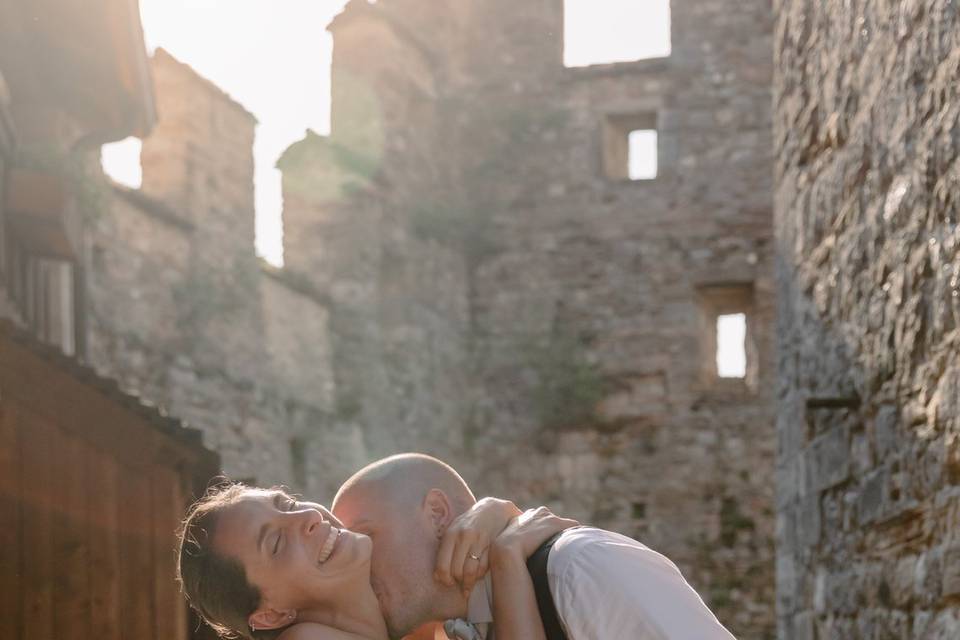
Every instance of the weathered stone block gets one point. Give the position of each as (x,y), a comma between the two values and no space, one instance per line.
(828,458)
(945,625)
(803,626)
(885,430)
(808,523)
(951,571)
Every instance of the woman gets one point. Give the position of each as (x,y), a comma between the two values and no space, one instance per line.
(243,548)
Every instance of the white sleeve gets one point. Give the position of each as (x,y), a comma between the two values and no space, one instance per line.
(607,587)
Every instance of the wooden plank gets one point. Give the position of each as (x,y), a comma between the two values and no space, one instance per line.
(164,490)
(103,533)
(10,522)
(136,555)
(71,595)
(182,610)
(37,447)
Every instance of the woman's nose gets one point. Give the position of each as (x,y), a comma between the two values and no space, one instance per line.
(311,521)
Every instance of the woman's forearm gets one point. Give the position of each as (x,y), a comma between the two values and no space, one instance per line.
(515,612)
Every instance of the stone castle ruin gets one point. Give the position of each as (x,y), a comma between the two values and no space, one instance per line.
(472,271)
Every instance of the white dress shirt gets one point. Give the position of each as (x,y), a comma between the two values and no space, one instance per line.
(607,586)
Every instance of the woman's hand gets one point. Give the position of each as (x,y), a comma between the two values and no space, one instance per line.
(463,555)
(526,533)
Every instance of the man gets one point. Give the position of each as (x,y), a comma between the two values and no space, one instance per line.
(603,585)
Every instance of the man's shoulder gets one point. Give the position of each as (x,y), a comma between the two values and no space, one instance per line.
(579,539)
(597,550)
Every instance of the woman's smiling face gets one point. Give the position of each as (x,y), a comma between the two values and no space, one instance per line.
(295,552)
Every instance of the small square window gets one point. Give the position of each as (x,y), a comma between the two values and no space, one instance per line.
(630,146)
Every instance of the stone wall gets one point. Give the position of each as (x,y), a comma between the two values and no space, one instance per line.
(180,310)
(499,301)
(867,130)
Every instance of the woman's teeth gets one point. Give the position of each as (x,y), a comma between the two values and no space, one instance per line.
(328,544)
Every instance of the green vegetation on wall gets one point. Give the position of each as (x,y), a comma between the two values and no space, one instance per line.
(568,386)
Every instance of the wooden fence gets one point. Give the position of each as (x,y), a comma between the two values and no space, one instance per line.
(92,486)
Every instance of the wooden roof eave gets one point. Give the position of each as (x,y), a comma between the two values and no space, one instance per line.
(136,113)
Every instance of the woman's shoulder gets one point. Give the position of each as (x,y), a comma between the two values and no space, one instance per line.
(316,631)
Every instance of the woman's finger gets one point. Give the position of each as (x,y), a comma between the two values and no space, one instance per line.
(471,569)
(484,564)
(475,570)
(445,557)
(464,542)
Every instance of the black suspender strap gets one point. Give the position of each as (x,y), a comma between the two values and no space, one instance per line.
(537,566)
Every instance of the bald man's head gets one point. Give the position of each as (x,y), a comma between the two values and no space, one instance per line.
(404,479)
(405,503)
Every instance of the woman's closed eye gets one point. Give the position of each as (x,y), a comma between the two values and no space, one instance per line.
(276,544)
(287,504)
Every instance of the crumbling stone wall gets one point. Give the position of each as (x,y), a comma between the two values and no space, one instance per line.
(180,310)
(499,301)
(868,502)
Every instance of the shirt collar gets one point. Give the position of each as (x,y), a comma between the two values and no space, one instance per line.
(479,611)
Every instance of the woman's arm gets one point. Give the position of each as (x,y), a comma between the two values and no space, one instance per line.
(515,612)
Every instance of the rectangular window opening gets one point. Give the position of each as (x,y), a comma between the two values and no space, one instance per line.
(44,289)
(608,31)
(630,149)
(732,345)
(642,154)
(729,360)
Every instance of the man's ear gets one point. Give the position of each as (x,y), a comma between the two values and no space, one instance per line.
(267,618)
(436,506)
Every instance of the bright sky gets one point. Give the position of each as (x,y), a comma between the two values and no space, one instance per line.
(601,31)
(273,56)
(731,345)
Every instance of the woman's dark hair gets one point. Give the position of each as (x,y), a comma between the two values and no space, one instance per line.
(216,586)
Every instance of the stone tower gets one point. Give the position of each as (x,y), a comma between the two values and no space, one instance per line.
(504,296)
